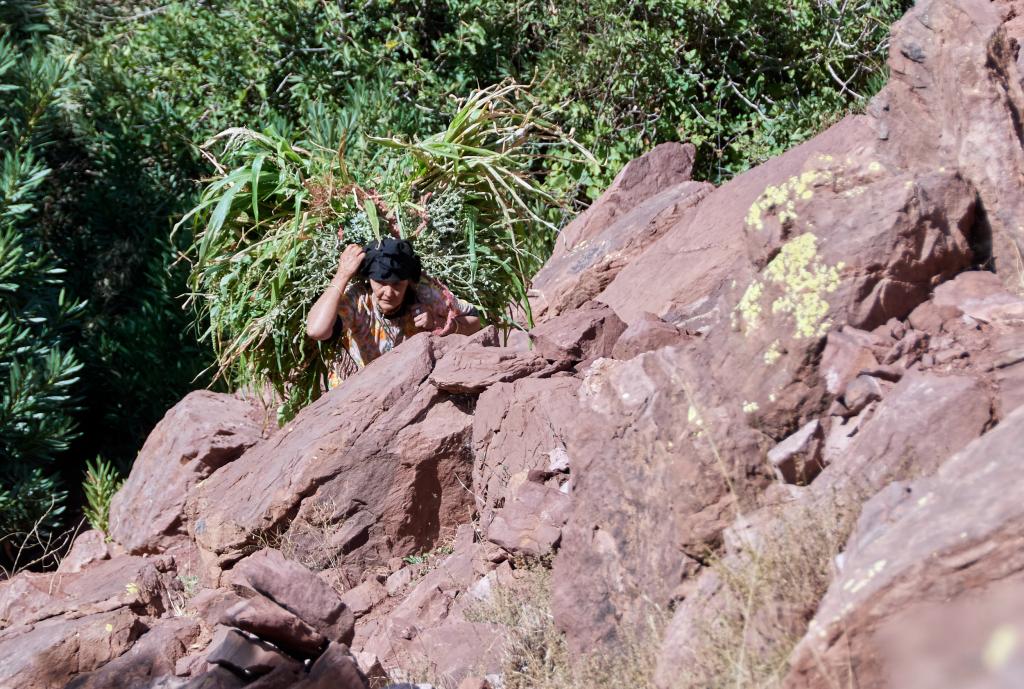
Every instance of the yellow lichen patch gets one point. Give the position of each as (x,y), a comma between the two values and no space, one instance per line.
(1000,647)
(750,407)
(805,281)
(780,200)
(749,308)
(773,353)
(693,416)
(131,588)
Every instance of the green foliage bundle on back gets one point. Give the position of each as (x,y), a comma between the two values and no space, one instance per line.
(38,370)
(269,228)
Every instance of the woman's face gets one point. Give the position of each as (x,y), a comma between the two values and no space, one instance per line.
(389,295)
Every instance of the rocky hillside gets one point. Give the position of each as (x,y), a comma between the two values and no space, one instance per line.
(767,433)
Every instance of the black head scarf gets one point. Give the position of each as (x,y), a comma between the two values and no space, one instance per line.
(390,260)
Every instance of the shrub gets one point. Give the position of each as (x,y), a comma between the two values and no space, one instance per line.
(38,370)
(102,480)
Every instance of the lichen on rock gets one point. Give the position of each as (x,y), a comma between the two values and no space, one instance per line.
(804,280)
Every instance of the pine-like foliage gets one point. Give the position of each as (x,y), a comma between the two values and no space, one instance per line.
(37,370)
(102,480)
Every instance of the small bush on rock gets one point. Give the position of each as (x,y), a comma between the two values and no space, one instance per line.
(102,480)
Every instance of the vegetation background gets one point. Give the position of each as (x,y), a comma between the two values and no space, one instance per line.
(103,104)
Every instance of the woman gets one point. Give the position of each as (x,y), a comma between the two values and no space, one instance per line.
(372,318)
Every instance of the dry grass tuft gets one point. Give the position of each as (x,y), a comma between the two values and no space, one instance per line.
(309,539)
(535,655)
(769,589)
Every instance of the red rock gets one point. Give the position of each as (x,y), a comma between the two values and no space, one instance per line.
(335,669)
(281,677)
(90,546)
(48,654)
(474,683)
(656,446)
(412,634)
(979,295)
(106,585)
(587,332)
(952,102)
(645,198)
(973,642)
(217,678)
(297,590)
(949,538)
(861,392)
(271,622)
(200,434)
(248,655)
(453,651)
(798,458)
(377,468)
(647,333)
(531,523)
(364,597)
(152,656)
(847,354)
(703,250)
(474,368)
(922,421)
(515,427)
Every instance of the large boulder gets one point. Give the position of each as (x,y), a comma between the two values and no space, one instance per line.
(701,250)
(48,654)
(646,198)
(123,581)
(297,590)
(518,428)
(661,462)
(152,656)
(199,435)
(948,538)
(428,628)
(374,469)
(954,101)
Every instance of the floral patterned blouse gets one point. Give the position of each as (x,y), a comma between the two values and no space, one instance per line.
(365,333)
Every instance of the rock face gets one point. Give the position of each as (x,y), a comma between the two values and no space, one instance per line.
(647,196)
(199,435)
(719,382)
(943,538)
(381,465)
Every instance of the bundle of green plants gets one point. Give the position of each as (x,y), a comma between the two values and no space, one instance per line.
(269,227)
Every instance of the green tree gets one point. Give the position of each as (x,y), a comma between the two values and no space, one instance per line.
(38,371)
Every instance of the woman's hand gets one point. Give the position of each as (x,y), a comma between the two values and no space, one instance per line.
(424,318)
(350,261)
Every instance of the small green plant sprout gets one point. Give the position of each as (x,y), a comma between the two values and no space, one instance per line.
(102,480)
(414,559)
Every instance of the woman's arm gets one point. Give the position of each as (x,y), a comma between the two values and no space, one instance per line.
(466,325)
(321,318)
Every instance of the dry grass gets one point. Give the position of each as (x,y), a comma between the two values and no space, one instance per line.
(535,655)
(769,589)
(309,539)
